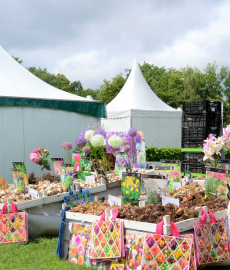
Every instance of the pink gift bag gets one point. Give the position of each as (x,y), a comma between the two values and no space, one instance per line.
(211,240)
(13,226)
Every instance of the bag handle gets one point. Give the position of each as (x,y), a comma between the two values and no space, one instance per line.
(115,214)
(14,208)
(203,218)
(212,217)
(174,229)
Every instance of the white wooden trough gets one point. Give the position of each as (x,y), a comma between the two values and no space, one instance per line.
(184,227)
(44,213)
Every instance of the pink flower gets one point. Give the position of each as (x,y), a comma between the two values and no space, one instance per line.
(45,150)
(35,158)
(80,249)
(77,240)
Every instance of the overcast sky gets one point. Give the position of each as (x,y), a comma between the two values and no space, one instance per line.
(92,40)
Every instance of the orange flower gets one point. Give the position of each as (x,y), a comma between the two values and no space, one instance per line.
(208,247)
(156,236)
(161,243)
(148,256)
(1,226)
(74,251)
(84,242)
(21,229)
(80,260)
(4,230)
(144,265)
(4,240)
(203,239)
(103,242)
(103,254)
(183,263)
(160,258)
(155,250)
(95,254)
(100,236)
(201,247)
(210,259)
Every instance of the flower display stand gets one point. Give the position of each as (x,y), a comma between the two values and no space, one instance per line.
(184,227)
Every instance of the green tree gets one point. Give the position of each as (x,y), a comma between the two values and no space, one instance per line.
(85,93)
(108,90)
(17,59)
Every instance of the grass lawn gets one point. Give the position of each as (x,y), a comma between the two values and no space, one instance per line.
(40,254)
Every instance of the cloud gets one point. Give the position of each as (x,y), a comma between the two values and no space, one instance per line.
(95,40)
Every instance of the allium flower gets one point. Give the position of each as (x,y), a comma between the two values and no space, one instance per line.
(86,150)
(67,145)
(101,132)
(35,158)
(124,142)
(126,148)
(132,132)
(115,141)
(97,140)
(138,138)
(80,142)
(89,134)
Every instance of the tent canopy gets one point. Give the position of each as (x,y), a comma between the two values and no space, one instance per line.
(136,98)
(19,87)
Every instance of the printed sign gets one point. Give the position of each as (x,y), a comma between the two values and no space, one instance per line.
(166,200)
(33,193)
(90,178)
(114,200)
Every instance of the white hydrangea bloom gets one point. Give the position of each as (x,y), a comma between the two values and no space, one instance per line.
(89,134)
(115,141)
(141,157)
(97,140)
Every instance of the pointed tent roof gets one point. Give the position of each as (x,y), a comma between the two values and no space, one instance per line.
(136,96)
(19,87)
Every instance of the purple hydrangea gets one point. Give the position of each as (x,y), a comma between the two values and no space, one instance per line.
(132,132)
(126,148)
(101,132)
(80,142)
(86,150)
(138,138)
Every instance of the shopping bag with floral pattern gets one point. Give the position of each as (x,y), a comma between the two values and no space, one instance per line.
(13,226)
(211,240)
(107,238)
(166,252)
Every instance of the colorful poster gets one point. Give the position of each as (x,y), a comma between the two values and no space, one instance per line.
(85,168)
(18,179)
(223,164)
(121,162)
(21,165)
(141,151)
(170,174)
(76,158)
(67,175)
(3,183)
(156,187)
(131,188)
(57,165)
(216,183)
(78,198)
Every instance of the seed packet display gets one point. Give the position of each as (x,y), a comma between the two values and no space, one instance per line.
(85,168)
(18,179)
(170,174)
(57,164)
(121,162)
(67,175)
(21,165)
(223,164)
(131,187)
(216,182)
(156,187)
(78,198)
(76,158)
(3,183)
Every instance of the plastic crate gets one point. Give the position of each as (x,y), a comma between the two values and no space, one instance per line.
(192,158)
(198,133)
(192,144)
(209,120)
(202,106)
(194,168)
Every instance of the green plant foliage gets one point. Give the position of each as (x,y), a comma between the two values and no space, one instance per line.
(157,153)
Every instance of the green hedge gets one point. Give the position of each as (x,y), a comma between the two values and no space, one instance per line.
(157,153)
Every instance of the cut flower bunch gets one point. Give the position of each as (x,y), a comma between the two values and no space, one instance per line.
(40,157)
(213,146)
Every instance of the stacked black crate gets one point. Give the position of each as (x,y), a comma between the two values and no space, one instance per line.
(199,120)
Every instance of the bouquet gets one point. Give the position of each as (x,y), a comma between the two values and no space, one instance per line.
(40,157)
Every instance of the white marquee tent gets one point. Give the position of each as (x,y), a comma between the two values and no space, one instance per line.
(137,106)
(35,114)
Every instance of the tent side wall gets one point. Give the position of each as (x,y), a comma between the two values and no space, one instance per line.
(116,124)
(24,129)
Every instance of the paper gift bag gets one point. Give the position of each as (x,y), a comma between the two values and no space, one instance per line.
(211,240)
(166,252)
(107,238)
(13,226)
